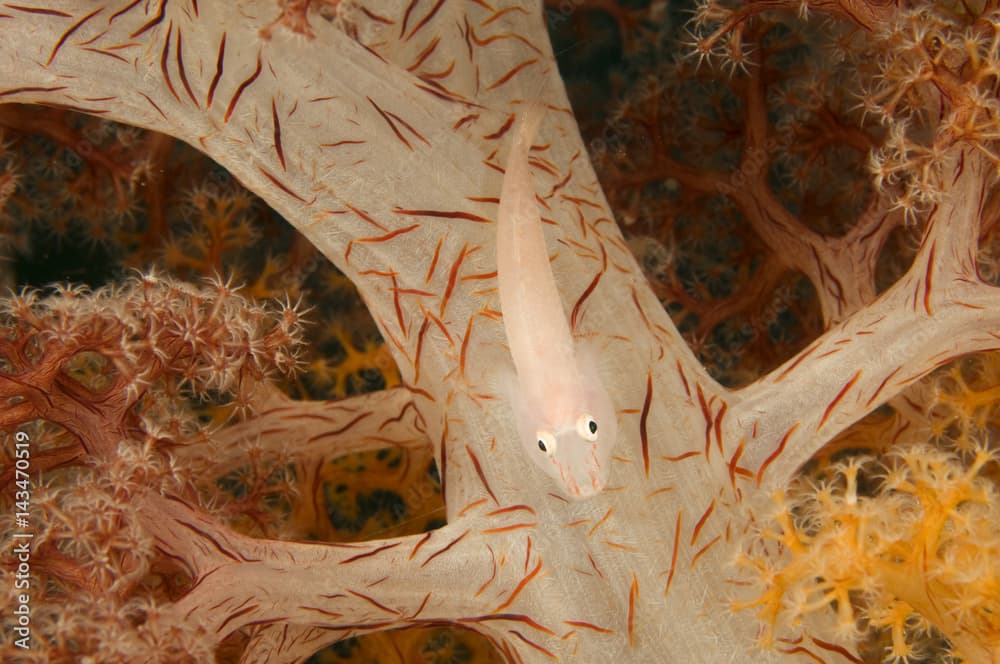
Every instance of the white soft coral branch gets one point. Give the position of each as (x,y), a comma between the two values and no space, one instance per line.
(936,312)
(350,588)
(322,430)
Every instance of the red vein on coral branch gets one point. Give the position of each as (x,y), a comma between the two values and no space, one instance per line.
(701,522)
(504,128)
(124,10)
(425,20)
(590,626)
(420,346)
(445,214)
(412,291)
(680,457)
(511,74)
(928,279)
(718,425)
(218,72)
(684,381)
(377,239)
(498,14)
(493,573)
(324,612)
(29,89)
(445,549)
(153,22)
(420,608)
(597,525)
(337,432)
(620,546)
(369,554)
(548,167)
(438,90)
(633,595)
(544,651)
(443,453)
(482,476)
(235,615)
(512,508)
(181,71)
(38,10)
(367,217)
(802,650)
(480,277)
(154,105)
(590,289)
(276,133)
(507,529)
(840,395)
(466,342)
(164,55)
(703,550)
(776,453)
(734,460)
(406,17)
(840,650)
(241,87)
(497,37)
(520,587)
(397,305)
(424,54)
(593,564)
(473,505)
(518,617)
(285,188)
(706,413)
(337,144)
(66,35)
(881,386)
(434,261)
(224,551)
(453,277)
(391,119)
(441,326)
(419,544)
(803,355)
(643,432)
(373,602)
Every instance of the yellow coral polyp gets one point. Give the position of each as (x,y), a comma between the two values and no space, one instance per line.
(921,555)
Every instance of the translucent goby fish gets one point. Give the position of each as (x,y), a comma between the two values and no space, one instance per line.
(565,418)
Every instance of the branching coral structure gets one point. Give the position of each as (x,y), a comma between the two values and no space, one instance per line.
(381,130)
